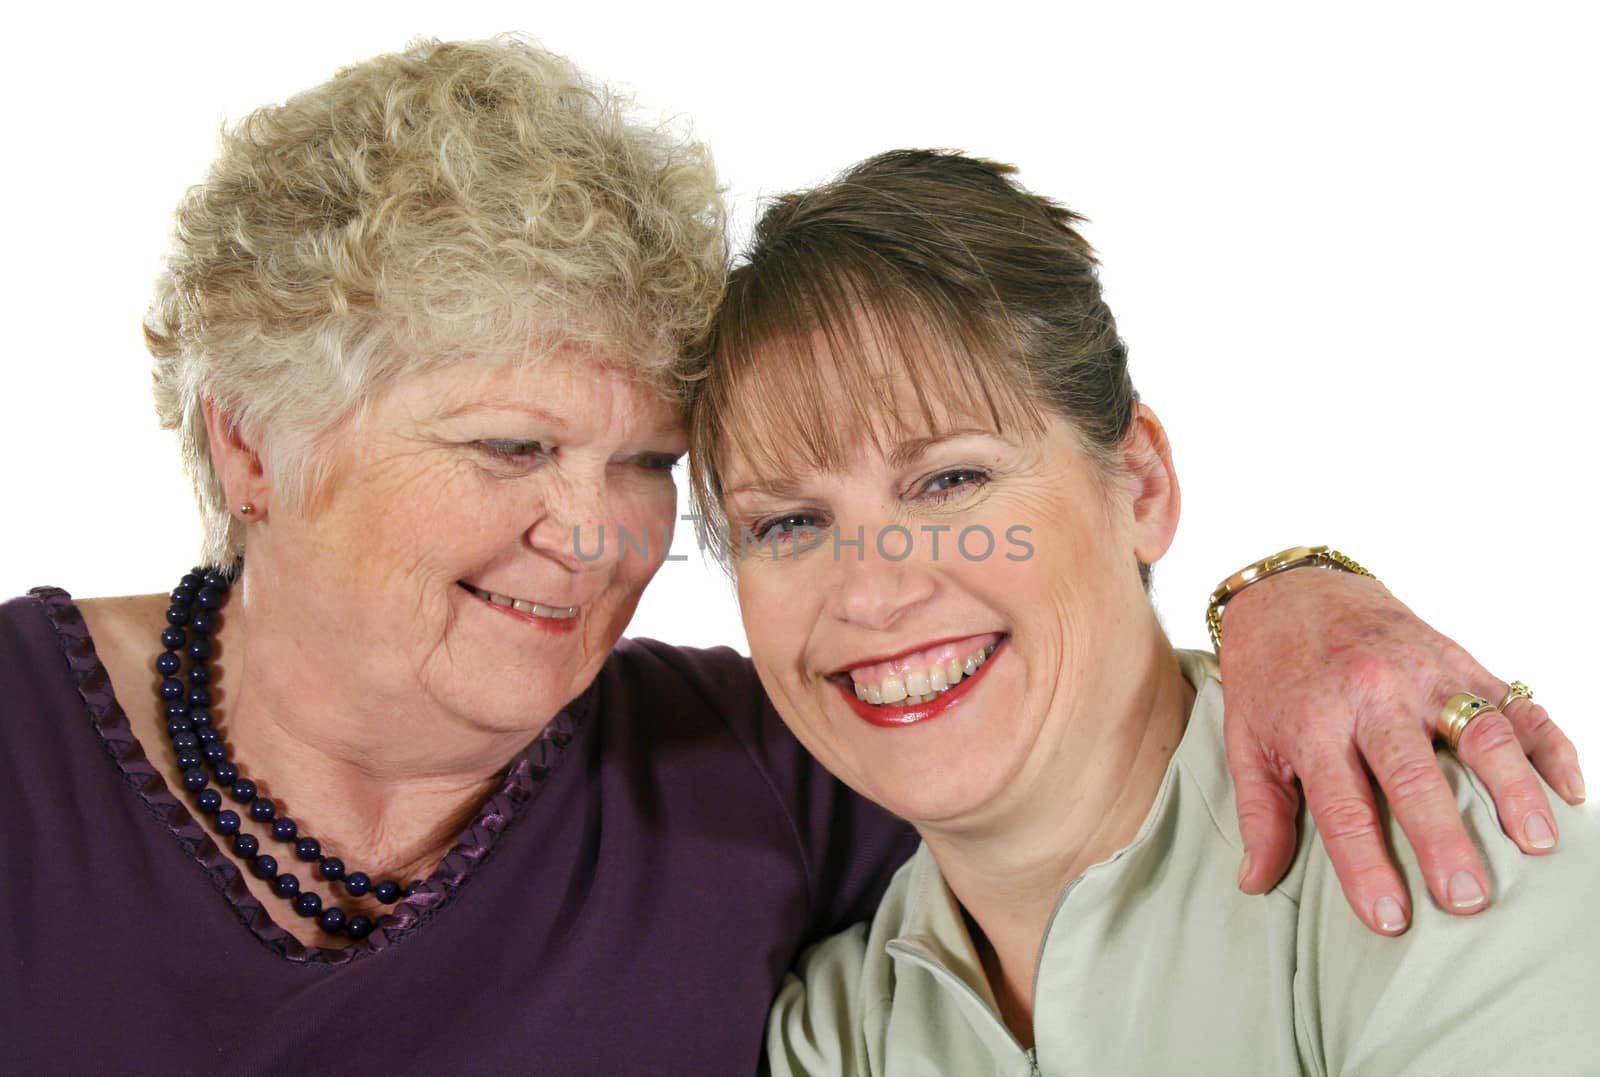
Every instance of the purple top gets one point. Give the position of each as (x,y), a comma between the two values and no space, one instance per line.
(627,902)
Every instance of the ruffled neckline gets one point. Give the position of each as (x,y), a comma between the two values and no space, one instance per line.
(525,779)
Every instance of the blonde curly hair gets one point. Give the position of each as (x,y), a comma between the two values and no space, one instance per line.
(454,202)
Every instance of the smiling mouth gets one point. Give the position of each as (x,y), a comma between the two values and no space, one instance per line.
(919,676)
(522,605)
(917,685)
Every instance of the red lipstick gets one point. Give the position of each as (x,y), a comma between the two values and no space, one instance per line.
(891,717)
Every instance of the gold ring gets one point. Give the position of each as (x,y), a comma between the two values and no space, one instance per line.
(1458,713)
(1518,690)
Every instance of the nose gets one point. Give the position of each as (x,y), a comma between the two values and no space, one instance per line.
(877,589)
(576,525)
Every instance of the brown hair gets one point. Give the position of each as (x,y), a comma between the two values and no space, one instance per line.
(918,260)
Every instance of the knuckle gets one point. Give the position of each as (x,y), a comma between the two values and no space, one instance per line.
(1256,817)
(1489,733)
(1346,818)
(1366,672)
(1268,808)
(1412,779)
(1537,725)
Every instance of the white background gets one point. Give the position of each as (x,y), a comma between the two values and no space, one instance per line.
(1354,250)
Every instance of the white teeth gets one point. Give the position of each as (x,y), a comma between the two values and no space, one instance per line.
(522,605)
(922,686)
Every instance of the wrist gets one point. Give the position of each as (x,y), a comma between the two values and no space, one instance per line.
(1273,565)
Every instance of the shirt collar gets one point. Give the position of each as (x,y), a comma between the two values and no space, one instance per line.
(933,932)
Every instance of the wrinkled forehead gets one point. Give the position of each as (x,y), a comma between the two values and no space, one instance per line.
(780,405)
(580,380)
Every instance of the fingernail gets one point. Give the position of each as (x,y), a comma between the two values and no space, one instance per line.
(1244,870)
(1391,917)
(1537,828)
(1575,789)
(1465,893)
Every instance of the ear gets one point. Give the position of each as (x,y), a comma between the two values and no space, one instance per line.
(1152,483)
(236,462)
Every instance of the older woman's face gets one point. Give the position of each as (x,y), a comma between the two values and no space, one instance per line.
(997,582)
(443,552)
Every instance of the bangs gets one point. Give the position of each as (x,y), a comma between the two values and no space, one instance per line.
(811,367)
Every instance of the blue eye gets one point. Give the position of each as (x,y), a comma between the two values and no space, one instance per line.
(946,483)
(785,525)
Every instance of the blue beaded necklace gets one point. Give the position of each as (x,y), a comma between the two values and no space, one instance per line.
(191,619)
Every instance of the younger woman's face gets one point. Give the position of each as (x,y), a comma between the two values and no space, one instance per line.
(937,617)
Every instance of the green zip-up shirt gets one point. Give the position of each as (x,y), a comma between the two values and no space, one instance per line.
(1155,963)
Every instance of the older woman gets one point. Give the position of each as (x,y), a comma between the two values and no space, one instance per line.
(376,785)
(919,351)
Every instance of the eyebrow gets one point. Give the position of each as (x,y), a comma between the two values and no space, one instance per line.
(906,452)
(779,488)
(669,431)
(478,405)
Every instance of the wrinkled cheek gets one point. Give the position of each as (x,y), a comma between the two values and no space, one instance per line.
(650,518)
(434,632)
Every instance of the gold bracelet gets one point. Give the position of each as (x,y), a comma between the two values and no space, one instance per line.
(1282,561)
